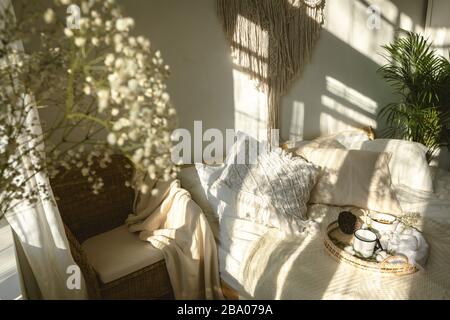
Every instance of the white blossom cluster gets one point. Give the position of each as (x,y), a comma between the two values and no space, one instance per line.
(103,88)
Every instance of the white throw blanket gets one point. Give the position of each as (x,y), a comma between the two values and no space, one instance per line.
(271,265)
(172,222)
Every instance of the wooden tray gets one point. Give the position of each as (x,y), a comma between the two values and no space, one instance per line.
(335,241)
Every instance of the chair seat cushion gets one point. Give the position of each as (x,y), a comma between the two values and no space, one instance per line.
(118,252)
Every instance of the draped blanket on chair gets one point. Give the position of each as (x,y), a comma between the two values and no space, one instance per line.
(172,222)
(272,40)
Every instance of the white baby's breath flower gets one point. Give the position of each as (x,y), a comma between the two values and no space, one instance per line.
(80,41)
(112,139)
(130,91)
(133,84)
(132,41)
(133,135)
(103,99)
(130,22)
(68,32)
(119,63)
(140,40)
(144,189)
(108,25)
(109,60)
(165,97)
(49,16)
(121,25)
(115,112)
(118,39)
(95,41)
(84,23)
(85,172)
(87,90)
(121,123)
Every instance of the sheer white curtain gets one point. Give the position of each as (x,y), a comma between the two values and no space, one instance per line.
(43,252)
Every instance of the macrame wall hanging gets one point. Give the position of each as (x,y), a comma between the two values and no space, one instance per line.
(272,40)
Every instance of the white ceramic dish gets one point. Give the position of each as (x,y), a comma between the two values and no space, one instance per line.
(383,222)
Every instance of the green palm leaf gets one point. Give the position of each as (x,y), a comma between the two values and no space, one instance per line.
(421,79)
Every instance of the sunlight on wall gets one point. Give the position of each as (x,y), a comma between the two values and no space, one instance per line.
(357,99)
(441,40)
(296,129)
(250,106)
(346,108)
(406,22)
(348,20)
(340,117)
(438,26)
(250,103)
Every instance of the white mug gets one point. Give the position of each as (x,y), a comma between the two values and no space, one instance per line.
(364,242)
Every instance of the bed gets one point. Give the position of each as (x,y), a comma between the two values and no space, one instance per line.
(257,262)
(261,262)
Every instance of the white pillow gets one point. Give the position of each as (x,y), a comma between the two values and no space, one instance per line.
(247,206)
(198,180)
(350,137)
(408,165)
(283,181)
(353,178)
(345,138)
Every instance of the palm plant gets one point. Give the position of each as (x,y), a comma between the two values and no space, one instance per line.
(421,78)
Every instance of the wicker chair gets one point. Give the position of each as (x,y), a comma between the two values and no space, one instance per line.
(86,215)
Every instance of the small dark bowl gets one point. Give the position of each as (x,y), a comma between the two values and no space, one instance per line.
(347,222)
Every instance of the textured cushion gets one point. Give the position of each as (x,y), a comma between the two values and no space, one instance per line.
(243,205)
(353,178)
(282,181)
(408,165)
(118,252)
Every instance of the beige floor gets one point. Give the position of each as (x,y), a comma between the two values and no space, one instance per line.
(9,279)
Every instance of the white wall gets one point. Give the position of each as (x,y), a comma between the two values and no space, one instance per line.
(191,41)
(339,88)
(438,25)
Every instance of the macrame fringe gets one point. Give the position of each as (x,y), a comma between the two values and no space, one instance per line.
(272,40)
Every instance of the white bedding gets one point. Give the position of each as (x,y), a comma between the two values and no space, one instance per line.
(259,262)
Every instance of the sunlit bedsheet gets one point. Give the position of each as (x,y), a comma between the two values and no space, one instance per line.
(435,205)
(261,263)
